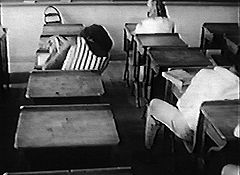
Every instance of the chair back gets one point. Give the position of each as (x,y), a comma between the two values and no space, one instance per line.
(52,15)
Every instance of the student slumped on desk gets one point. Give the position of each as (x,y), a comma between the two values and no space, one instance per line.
(89,51)
(207,85)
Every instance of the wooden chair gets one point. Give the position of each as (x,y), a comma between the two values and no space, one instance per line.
(52,15)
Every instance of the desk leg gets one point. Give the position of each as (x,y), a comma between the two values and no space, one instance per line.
(23,164)
(126,71)
(145,75)
(126,49)
(202,44)
(136,78)
(199,143)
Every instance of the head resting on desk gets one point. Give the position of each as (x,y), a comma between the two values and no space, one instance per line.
(156,9)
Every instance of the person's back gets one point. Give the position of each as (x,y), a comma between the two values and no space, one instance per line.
(155,25)
(157,21)
(207,85)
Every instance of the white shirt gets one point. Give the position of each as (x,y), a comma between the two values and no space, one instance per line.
(155,25)
(207,85)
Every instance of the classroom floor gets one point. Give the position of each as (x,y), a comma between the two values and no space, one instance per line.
(130,125)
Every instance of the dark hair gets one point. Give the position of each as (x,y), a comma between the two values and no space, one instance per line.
(161,9)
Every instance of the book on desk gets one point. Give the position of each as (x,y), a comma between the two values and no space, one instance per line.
(178,77)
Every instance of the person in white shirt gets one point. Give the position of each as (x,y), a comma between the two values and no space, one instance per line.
(207,85)
(157,21)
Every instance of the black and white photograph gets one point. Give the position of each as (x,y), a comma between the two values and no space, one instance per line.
(119,87)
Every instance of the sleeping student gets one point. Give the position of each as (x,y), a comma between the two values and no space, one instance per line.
(89,51)
(207,85)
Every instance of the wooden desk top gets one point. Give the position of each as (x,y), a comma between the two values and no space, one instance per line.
(221,28)
(62,29)
(66,126)
(161,40)
(224,115)
(59,83)
(171,57)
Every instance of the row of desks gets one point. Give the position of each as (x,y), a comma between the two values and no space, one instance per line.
(164,51)
(67,111)
(54,121)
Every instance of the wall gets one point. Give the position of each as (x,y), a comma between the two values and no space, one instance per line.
(25,22)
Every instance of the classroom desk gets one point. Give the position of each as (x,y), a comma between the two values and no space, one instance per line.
(65,30)
(43,126)
(64,87)
(162,59)
(63,133)
(61,29)
(157,41)
(128,39)
(219,119)
(212,34)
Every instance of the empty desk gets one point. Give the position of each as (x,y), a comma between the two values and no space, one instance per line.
(49,87)
(65,126)
(212,34)
(63,133)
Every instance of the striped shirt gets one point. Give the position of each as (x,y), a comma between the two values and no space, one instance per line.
(80,57)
